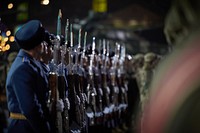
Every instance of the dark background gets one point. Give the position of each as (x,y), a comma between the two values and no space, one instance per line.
(74,9)
(150,12)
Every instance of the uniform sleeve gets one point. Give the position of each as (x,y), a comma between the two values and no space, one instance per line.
(25,84)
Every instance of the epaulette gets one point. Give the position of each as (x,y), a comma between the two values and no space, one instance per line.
(25,60)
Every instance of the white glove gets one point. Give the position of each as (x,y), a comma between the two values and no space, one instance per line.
(60,105)
(67,103)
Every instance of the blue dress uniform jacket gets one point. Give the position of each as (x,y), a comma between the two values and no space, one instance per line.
(27,94)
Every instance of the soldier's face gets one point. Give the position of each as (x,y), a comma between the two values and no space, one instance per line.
(46,52)
(38,51)
(44,47)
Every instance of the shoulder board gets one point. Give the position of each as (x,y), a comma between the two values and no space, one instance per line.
(25,60)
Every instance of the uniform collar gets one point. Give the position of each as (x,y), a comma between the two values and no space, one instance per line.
(22,53)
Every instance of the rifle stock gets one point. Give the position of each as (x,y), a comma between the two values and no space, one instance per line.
(62,91)
(56,117)
(99,98)
(74,113)
(91,91)
(83,103)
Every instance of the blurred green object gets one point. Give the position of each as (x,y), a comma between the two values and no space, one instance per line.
(182,19)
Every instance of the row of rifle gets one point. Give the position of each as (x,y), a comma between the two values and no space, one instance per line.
(90,82)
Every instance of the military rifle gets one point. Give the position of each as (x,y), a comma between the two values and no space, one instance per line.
(99,91)
(105,87)
(121,64)
(54,94)
(91,91)
(83,85)
(62,83)
(74,112)
(77,72)
(56,117)
(114,88)
(123,103)
(80,84)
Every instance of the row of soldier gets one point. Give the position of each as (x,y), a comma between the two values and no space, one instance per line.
(71,88)
(143,68)
(89,81)
(87,85)
(97,90)
(147,64)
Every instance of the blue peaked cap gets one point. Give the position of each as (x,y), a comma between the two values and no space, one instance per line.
(30,35)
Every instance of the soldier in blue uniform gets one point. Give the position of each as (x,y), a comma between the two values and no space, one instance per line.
(26,87)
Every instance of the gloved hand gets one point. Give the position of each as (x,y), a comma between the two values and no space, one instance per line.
(67,103)
(60,105)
